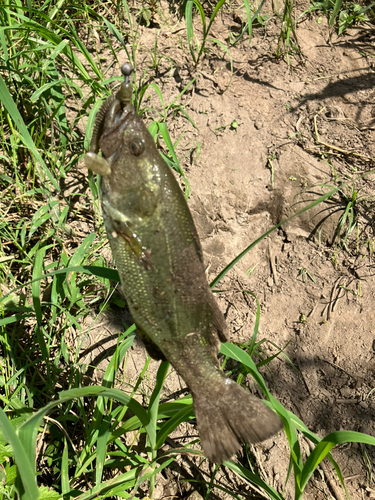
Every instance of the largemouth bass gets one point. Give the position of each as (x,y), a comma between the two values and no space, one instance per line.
(159,258)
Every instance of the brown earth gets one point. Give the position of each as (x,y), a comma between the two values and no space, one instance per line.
(299,126)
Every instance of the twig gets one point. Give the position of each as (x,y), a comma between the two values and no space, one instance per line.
(273,268)
(255,453)
(342,369)
(327,473)
(330,304)
(335,148)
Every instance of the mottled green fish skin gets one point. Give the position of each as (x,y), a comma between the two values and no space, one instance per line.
(159,258)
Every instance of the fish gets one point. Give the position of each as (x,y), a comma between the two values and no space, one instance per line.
(159,258)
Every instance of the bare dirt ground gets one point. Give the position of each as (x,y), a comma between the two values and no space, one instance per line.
(299,126)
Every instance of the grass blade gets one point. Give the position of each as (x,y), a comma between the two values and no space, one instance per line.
(90,123)
(155,396)
(170,425)
(252,478)
(158,91)
(189,26)
(41,168)
(163,129)
(218,6)
(324,447)
(249,20)
(27,487)
(336,10)
(203,17)
(37,272)
(221,275)
(65,469)
(236,353)
(101,272)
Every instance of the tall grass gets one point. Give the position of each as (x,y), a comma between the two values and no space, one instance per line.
(59,436)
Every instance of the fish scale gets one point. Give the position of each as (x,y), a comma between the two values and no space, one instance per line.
(160,262)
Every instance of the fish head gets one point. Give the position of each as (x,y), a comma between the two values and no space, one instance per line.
(130,165)
(130,151)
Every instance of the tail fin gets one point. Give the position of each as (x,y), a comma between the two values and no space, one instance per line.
(228,417)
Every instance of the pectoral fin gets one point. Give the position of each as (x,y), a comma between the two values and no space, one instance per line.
(120,226)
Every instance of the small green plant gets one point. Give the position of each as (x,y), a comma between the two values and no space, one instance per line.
(288,42)
(257,18)
(302,318)
(159,127)
(351,15)
(232,126)
(303,272)
(349,219)
(149,11)
(250,271)
(344,14)
(197,48)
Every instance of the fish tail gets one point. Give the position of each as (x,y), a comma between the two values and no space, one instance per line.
(229,417)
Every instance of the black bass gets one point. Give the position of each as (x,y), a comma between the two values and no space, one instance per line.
(159,258)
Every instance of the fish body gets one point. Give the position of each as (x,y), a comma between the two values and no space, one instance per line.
(160,262)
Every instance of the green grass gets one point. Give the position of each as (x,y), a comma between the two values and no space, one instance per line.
(54,278)
(343,14)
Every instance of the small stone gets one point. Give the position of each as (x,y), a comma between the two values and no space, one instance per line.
(346,392)
(195,496)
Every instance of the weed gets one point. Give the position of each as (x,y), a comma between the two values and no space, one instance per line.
(197,48)
(232,126)
(258,18)
(250,271)
(344,14)
(303,273)
(149,11)
(351,199)
(288,42)
(302,318)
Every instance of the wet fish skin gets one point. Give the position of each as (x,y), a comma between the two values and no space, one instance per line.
(159,258)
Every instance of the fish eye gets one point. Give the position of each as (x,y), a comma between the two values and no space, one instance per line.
(136,147)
